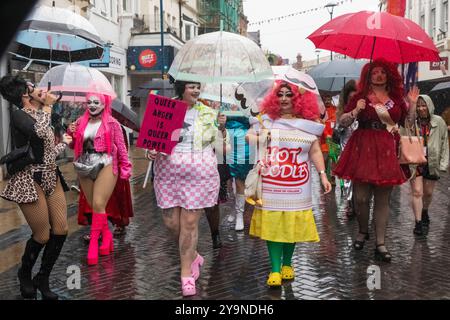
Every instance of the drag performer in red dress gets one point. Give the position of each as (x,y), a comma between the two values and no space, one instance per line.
(370,156)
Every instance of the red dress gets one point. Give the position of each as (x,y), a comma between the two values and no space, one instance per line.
(371,153)
(119,208)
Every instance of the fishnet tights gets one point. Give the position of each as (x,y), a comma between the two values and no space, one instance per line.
(47,213)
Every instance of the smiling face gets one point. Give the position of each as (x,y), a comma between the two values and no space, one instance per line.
(378,76)
(95,105)
(285,99)
(191,93)
(422,109)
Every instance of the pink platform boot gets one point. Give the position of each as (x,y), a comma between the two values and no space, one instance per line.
(107,245)
(98,221)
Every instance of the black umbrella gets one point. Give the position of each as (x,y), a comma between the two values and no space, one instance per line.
(57,34)
(164,88)
(125,115)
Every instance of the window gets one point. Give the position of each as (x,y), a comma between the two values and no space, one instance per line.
(422,21)
(126,5)
(187,33)
(444,23)
(156,13)
(168,21)
(433,23)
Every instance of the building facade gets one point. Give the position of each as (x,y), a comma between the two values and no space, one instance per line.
(227,12)
(432,16)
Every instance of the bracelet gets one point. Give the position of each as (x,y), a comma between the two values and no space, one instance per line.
(322,172)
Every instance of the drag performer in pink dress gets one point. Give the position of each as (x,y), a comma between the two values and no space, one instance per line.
(100,156)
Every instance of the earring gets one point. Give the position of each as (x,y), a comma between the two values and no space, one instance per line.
(301,90)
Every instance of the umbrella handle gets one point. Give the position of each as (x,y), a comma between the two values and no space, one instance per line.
(49,86)
(147,174)
(59,97)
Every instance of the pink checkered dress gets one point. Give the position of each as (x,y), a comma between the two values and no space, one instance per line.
(187,180)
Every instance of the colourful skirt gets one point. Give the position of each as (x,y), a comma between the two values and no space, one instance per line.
(284,226)
(187,180)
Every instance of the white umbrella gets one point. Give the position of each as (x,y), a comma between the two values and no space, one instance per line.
(74,81)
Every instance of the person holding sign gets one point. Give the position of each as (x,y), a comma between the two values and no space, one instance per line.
(187,180)
(100,154)
(285,215)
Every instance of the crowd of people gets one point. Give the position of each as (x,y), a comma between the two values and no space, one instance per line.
(213,149)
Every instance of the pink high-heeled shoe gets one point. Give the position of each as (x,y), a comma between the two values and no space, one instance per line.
(195,266)
(107,245)
(188,286)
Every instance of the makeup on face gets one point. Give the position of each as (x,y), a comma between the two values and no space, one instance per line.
(287,94)
(285,98)
(95,105)
(378,76)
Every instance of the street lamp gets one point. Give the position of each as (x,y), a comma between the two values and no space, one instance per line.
(330,8)
(317,52)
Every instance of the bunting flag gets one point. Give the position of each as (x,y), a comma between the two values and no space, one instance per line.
(396,7)
(261,22)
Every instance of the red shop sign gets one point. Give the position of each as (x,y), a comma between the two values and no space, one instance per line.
(148,58)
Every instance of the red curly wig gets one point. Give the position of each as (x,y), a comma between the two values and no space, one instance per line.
(305,105)
(394,83)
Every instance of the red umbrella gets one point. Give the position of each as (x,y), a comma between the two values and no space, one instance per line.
(373,35)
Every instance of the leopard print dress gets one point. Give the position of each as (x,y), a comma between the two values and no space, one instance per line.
(20,187)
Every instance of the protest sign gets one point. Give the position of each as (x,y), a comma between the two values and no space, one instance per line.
(162,124)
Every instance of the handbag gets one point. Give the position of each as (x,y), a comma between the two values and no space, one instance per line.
(411,148)
(253,182)
(19,158)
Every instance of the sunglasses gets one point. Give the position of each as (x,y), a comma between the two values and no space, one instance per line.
(287,94)
(94,102)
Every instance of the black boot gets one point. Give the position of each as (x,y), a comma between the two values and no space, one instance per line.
(217,243)
(32,250)
(51,254)
(418,229)
(425,218)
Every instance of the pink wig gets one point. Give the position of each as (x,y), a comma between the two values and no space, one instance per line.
(305,105)
(79,135)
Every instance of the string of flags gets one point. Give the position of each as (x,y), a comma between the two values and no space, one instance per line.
(261,22)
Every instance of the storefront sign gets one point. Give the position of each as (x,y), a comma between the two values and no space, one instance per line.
(149,58)
(439,65)
(161,127)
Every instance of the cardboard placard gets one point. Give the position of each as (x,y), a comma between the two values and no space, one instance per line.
(162,124)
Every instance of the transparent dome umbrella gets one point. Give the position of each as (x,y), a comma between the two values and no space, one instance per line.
(220,57)
(57,34)
(74,81)
(247,96)
(331,76)
(301,80)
